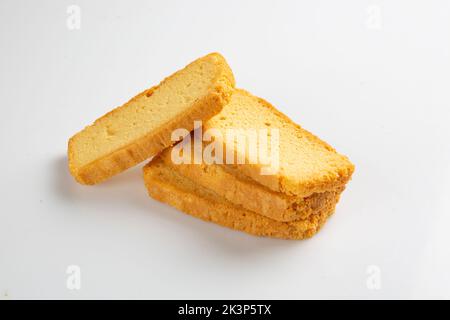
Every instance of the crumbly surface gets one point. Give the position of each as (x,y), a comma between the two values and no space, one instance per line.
(142,127)
(246,192)
(307,164)
(165,185)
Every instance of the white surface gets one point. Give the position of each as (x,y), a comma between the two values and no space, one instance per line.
(377,90)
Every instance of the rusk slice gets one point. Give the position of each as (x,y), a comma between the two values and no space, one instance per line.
(248,193)
(167,186)
(142,127)
(307,164)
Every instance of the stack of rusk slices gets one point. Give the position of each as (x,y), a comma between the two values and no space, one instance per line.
(240,163)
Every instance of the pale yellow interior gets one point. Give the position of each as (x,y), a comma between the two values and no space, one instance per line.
(145,113)
(302,156)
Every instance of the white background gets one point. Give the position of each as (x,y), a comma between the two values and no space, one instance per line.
(372,78)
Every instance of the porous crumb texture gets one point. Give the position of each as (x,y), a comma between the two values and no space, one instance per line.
(165,185)
(246,192)
(307,164)
(142,127)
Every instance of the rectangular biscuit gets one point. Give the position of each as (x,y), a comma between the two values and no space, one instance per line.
(165,185)
(142,127)
(307,164)
(241,190)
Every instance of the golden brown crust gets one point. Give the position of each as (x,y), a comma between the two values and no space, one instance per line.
(246,192)
(149,145)
(281,183)
(201,203)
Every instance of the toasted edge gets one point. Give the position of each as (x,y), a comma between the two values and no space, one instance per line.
(248,193)
(280,183)
(152,143)
(163,187)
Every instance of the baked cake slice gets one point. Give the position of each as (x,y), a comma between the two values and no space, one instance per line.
(166,185)
(142,127)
